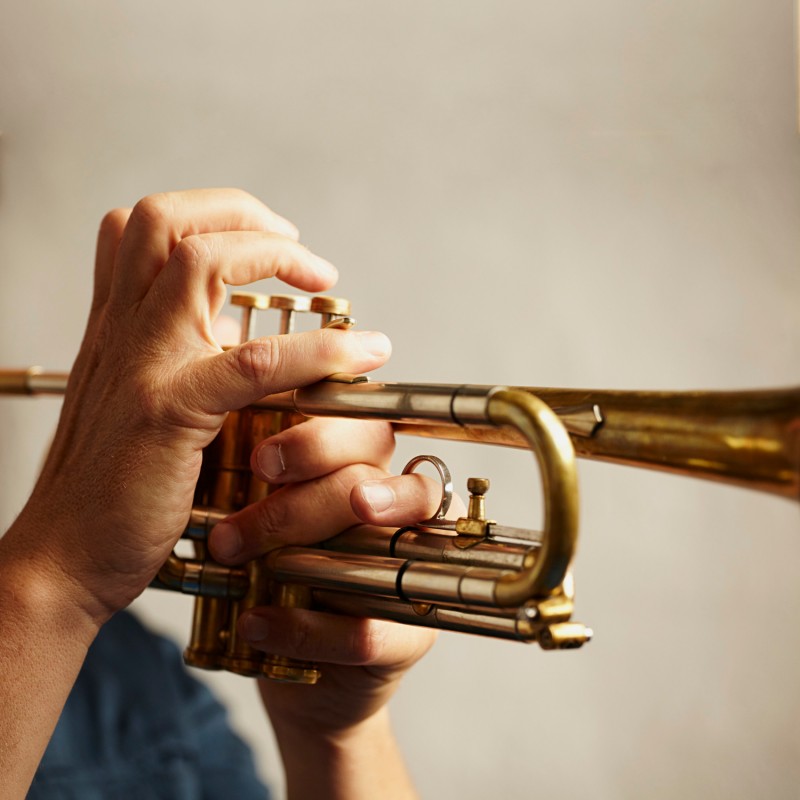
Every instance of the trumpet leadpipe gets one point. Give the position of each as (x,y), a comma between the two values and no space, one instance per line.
(33,380)
(746,438)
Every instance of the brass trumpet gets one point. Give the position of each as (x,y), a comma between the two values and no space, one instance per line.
(471,574)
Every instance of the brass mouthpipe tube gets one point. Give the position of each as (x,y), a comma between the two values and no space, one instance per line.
(32,380)
(747,438)
(397,402)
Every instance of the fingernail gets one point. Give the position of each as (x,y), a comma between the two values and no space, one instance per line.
(270,461)
(325,268)
(376,344)
(254,628)
(378,495)
(226,540)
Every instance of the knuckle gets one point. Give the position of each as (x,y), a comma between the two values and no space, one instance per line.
(367,641)
(355,473)
(113,223)
(192,252)
(258,360)
(272,518)
(343,480)
(152,211)
(288,255)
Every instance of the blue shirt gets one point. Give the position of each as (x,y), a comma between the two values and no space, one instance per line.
(137,726)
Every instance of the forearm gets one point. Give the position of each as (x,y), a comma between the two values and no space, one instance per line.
(362,764)
(44,638)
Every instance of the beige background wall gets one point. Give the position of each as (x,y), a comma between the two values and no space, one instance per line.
(602,194)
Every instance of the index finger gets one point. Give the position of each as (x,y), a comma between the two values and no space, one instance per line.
(159,222)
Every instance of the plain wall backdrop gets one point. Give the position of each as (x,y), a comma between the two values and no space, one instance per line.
(556,194)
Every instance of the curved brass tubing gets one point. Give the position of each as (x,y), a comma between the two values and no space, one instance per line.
(473,575)
(555,454)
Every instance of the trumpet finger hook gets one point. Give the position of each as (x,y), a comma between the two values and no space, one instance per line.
(445,478)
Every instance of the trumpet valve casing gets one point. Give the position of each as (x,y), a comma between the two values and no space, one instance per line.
(227,483)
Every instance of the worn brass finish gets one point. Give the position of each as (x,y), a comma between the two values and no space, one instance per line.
(330,307)
(473,574)
(477,488)
(475,526)
(747,438)
(249,302)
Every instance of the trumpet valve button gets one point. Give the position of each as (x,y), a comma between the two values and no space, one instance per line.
(290,302)
(330,309)
(335,306)
(250,300)
(289,305)
(478,485)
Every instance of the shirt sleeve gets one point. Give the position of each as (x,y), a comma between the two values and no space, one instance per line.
(137,725)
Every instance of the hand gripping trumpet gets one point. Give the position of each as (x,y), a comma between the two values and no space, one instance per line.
(472,574)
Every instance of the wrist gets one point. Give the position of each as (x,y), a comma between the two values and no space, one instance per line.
(351,763)
(41,586)
(44,638)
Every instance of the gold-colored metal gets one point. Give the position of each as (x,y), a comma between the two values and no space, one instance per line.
(445,479)
(746,438)
(477,488)
(475,526)
(473,574)
(249,302)
(330,308)
(284,594)
(289,305)
(227,484)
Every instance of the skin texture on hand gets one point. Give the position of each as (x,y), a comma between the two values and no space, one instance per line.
(149,390)
(150,387)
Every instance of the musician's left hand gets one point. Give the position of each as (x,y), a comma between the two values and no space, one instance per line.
(335,475)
